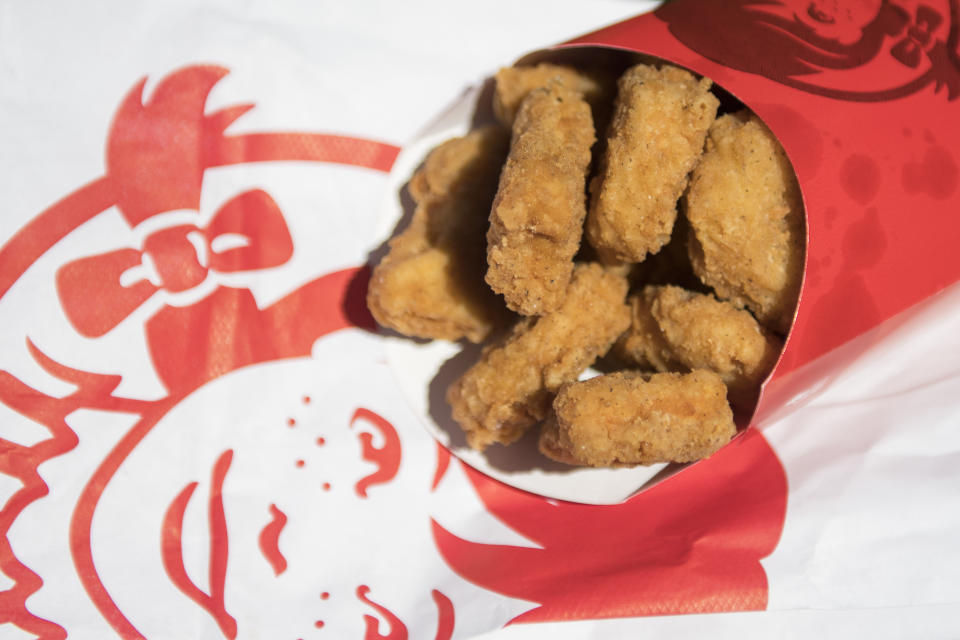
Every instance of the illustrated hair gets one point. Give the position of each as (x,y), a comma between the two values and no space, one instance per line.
(760,41)
(157,150)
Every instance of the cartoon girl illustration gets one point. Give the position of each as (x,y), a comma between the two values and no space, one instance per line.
(811,44)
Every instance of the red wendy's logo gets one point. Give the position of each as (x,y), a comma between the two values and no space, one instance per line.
(157,154)
(884,49)
(158,151)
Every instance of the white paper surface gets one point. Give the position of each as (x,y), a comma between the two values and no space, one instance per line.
(872,463)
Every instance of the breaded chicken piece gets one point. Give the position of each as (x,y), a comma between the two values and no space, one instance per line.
(643,344)
(628,418)
(510,389)
(660,120)
(536,221)
(448,166)
(674,329)
(514,83)
(430,284)
(746,214)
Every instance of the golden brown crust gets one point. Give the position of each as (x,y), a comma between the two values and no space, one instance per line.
(738,231)
(627,418)
(643,344)
(430,284)
(656,136)
(510,389)
(705,333)
(673,329)
(746,215)
(536,221)
(513,84)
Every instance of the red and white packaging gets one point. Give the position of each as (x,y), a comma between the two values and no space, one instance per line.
(204,435)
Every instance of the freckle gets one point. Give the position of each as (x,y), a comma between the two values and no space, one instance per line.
(324,595)
(291,422)
(321,442)
(326,486)
(318,624)
(300,463)
(306,399)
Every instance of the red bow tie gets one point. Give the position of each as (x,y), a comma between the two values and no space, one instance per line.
(95,300)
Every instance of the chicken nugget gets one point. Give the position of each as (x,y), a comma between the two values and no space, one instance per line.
(430,284)
(461,164)
(684,330)
(510,389)
(536,221)
(660,120)
(643,344)
(628,418)
(514,83)
(746,215)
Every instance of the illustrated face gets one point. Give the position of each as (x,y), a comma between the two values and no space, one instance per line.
(839,20)
(281,461)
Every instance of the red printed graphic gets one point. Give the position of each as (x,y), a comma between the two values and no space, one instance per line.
(21,462)
(387,457)
(179,258)
(445,615)
(906,45)
(172,547)
(270,540)
(152,149)
(53,224)
(443,463)
(692,544)
(156,155)
(285,329)
(398,630)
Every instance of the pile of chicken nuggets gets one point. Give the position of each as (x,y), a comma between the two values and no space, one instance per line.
(613,218)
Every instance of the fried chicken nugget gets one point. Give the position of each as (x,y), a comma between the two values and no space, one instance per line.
(746,214)
(660,120)
(514,83)
(448,166)
(628,418)
(430,284)
(510,389)
(536,221)
(643,344)
(674,329)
